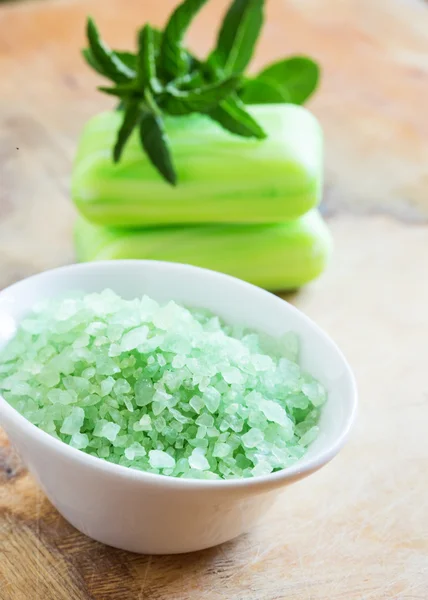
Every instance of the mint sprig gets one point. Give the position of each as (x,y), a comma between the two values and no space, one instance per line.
(291,80)
(155,142)
(107,61)
(163,78)
(231,115)
(200,99)
(146,60)
(238,36)
(175,61)
(131,116)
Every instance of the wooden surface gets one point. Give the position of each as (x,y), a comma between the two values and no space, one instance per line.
(358,529)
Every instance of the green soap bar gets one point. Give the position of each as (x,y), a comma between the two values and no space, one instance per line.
(274,256)
(222,177)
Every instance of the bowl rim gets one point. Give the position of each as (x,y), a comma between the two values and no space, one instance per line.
(294,472)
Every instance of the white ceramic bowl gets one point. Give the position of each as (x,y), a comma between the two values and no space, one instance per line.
(155,514)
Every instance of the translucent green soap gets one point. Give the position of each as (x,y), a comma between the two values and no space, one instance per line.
(161,388)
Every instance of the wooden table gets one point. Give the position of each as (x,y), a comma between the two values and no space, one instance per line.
(358,529)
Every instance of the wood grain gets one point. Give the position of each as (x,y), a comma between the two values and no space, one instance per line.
(358,529)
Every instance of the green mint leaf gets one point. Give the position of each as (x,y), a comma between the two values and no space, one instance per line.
(157,40)
(146,65)
(107,60)
(125,91)
(238,36)
(263,91)
(111,91)
(131,116)
(173,58)
(90,60)
(201,99)
(297,77)
(233,117)
(156,145)
(190,81)
(128,58)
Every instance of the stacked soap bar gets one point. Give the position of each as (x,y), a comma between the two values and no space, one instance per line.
(242,206)
(161,388)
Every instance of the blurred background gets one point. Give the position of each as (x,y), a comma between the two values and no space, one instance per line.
(370,537)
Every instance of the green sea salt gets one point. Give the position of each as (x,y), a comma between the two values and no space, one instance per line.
(161,388)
